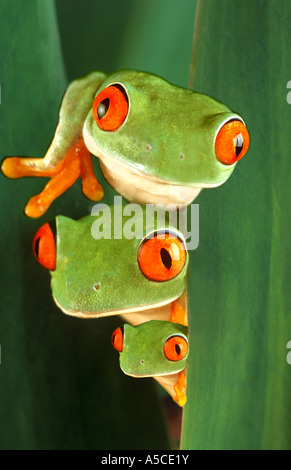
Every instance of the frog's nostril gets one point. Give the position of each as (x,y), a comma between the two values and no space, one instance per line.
(97,286)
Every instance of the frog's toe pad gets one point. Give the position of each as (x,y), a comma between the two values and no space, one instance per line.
(12,168)
(94,191)
(35,207)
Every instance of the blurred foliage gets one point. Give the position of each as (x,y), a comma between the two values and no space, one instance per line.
(60,383)
(155,36)
(239,380)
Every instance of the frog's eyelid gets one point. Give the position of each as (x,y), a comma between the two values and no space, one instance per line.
(163,231)
(121,88)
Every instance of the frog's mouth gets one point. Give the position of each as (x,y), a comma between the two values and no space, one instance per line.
(141,188)
(137,186)
(134,315)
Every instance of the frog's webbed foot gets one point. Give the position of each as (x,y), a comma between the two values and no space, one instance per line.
(76,163)
(180,389)
(67,157)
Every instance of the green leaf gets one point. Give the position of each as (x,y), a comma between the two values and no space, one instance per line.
(60,382)
(239,380)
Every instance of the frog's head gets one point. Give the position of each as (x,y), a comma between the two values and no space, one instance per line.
(99,277)
(165,141)
(153,348)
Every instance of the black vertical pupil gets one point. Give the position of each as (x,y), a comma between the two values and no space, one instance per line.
(166,258)
(238,143)
(36,246)
(103,108)
(177,349)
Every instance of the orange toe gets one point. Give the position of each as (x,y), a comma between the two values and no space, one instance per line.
(35,207)
(11,167)
(93,191)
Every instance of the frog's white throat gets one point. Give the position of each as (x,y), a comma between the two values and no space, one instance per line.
(136,186)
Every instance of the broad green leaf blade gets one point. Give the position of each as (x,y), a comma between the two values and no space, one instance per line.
(151,36)
(239,380)
(60,382)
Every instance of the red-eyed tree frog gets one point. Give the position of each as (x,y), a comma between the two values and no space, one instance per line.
(156,142)
(155,349)
(93,277)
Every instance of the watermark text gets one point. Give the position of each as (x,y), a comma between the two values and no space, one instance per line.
(135,221)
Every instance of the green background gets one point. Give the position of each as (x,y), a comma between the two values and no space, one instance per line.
(60,383)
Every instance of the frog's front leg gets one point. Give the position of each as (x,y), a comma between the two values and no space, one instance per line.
(67,157)
(77,163)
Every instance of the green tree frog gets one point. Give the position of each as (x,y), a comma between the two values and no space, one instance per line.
(155,349)
(156,142)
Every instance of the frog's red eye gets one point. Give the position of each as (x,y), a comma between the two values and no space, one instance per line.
(175,348)
(44,247)
(110,108)
(232,142)
(162,257)
(117,339)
